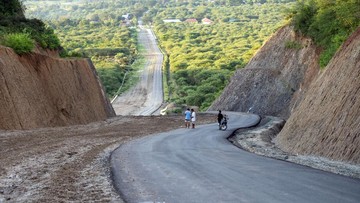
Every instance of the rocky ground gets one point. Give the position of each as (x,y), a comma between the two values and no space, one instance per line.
(71,164)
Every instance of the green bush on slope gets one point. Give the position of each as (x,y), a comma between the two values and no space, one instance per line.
(20,42)
(328,23)
(13,25)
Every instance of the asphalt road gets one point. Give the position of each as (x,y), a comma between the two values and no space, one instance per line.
(200,165)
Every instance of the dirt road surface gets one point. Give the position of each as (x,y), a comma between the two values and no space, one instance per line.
(147,96)
(71,164)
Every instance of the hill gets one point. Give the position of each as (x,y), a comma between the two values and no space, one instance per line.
(275,79)
(322,107)
(326,123)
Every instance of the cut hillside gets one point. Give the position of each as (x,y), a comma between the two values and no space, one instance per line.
(327,122)
(38,90)
(275,79)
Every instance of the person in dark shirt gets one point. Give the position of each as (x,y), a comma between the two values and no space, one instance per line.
(220,117)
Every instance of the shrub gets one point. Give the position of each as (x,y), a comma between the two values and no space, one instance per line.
(65,53)
(35,29)
(328,23)
(293,45)
(20,42)
(47,39)
(304,13)
(175,111)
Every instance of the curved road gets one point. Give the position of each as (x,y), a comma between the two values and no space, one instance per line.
(200,165)
(147,96)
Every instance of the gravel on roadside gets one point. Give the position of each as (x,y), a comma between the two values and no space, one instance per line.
(261,140)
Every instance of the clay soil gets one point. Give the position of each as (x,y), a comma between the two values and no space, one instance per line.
(71,164)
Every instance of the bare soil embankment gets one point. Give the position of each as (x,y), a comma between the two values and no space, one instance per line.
(327,121)
(38,90)
(275,79)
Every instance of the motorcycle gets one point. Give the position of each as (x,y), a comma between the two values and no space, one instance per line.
(223,125)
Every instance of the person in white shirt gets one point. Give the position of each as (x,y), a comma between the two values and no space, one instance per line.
(193,118)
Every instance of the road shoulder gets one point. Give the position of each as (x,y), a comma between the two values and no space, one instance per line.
(261,140)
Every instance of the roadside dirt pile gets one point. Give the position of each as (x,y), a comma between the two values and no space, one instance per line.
(275,79)
(327,122)
(38,90)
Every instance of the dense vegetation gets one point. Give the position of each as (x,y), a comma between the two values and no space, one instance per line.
(200,58)
(327,22)
(203,57)
(97,30)
(13,8)
(111,48)
(20,33)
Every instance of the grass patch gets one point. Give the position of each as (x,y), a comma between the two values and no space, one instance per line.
(21,43)
(293,45)
(132,76)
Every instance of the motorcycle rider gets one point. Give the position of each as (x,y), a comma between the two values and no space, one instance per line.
(219,117)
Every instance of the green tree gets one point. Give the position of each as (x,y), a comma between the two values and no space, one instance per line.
(11,8)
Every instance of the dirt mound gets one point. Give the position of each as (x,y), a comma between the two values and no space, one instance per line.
(327,122)
(38,90)
(275,78)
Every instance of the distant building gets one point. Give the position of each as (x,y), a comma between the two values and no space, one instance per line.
(206,21)
(171,21)
(126,20)
(127,16)
(191,20)
(233,20)
(93,22)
